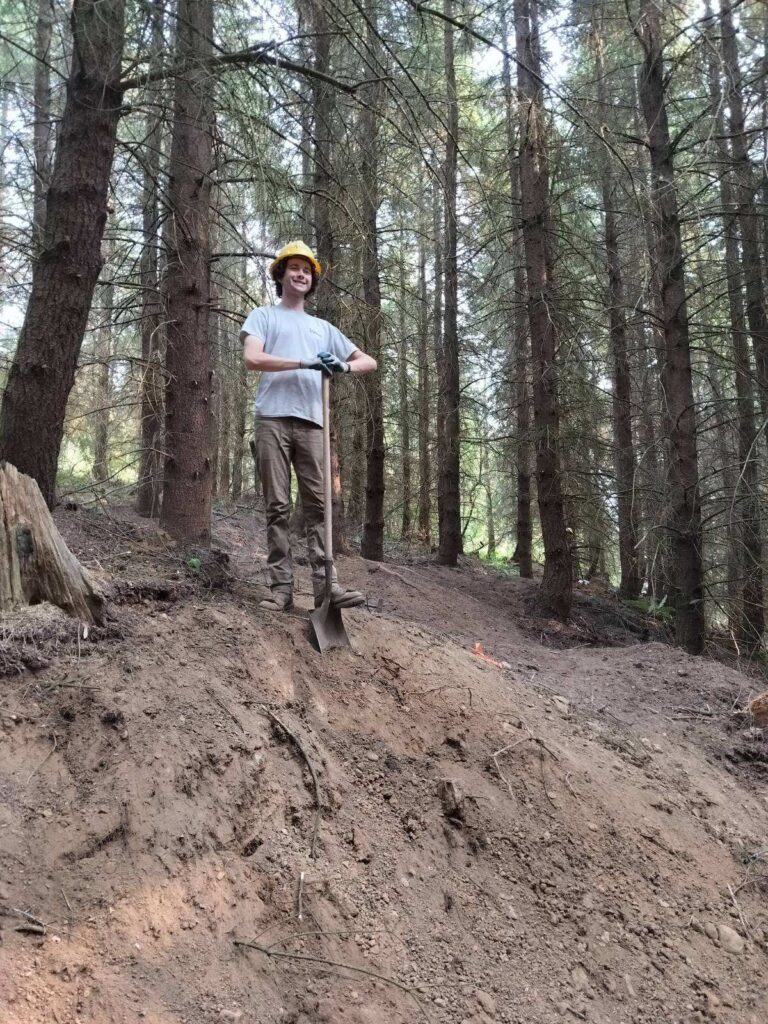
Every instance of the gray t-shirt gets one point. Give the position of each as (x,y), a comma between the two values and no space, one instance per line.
(293,335)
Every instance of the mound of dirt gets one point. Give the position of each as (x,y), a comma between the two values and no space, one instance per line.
(205,820)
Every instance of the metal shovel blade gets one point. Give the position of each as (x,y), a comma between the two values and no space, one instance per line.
(328,626)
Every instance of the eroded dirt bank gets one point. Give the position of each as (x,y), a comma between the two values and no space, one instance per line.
(576,834)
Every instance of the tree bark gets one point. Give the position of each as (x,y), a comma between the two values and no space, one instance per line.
(324,107)
(239,415)
(424,513)
(402,401)
(186,512)
(555,592)
(225,439)
(149,485)
(654,408)
(65,275)
(629,586)
(746,533)
(42,126)
(744,193)
(684,521)
(437,314)
(102,390)
(372,545)
(517,360)
(449,437)
(35,563)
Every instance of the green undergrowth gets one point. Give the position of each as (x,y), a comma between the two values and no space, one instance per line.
(655,609)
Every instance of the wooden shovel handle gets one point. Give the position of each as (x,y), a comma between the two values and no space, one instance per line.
(328,512)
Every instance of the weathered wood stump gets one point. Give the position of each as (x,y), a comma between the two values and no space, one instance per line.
(35,563)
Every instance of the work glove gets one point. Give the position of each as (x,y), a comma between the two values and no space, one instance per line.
(316,364)
(334,364)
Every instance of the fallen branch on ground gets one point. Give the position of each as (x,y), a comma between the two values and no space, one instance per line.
(31,918)
(298,744)
(379,567)
(530,738)
(334,963)
(50,754)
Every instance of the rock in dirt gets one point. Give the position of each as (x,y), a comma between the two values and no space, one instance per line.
(561,704)
(487,1003)
(451,798)
(730,940)
(580,978)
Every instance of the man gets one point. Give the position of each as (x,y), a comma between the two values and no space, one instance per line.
(292,350)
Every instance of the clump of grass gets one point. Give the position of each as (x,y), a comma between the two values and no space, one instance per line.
(655,609)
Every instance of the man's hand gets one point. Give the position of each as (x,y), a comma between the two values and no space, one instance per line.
(316,364)
(333,363)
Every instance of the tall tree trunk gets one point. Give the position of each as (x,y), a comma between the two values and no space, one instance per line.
(305,24)
(151,387)
(555,591)
(102,396)
(226,401)
(744,194)
(654,409)
(629,586)
(517,360)
(723,509)
(325,303)
(490,519)
(186,512)
(43,126)
(65,275)
(402,398)
(240,412)
(764,131)
(747,531)
(437,309)
(523,553)
(647,345)
(239,401)
(685,508)
(449,438)
(372,545)
(356,477)
(424,513)
(651,465)
(220,343)
(6,135)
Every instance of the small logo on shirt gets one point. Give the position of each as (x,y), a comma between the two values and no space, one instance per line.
(314,330)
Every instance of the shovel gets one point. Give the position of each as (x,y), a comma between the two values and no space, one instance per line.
(326,620)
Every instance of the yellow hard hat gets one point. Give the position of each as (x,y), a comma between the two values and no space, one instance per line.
(296,248)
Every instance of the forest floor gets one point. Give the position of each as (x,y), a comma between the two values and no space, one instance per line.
(577,832)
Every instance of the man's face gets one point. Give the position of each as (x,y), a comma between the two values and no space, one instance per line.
(298,276)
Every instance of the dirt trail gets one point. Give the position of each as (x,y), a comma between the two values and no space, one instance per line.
(579,835)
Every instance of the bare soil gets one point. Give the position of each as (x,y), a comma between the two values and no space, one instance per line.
(577,831)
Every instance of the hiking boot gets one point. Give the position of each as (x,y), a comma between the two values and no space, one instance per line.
(341,598)
(278,601)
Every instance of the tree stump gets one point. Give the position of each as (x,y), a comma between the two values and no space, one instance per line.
(35,563)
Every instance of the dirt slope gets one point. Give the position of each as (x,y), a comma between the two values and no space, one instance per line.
(577,835)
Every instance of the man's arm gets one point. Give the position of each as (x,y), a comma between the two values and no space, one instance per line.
(361,362)
(255,358)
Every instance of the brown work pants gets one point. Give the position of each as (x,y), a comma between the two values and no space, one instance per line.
(283,442)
